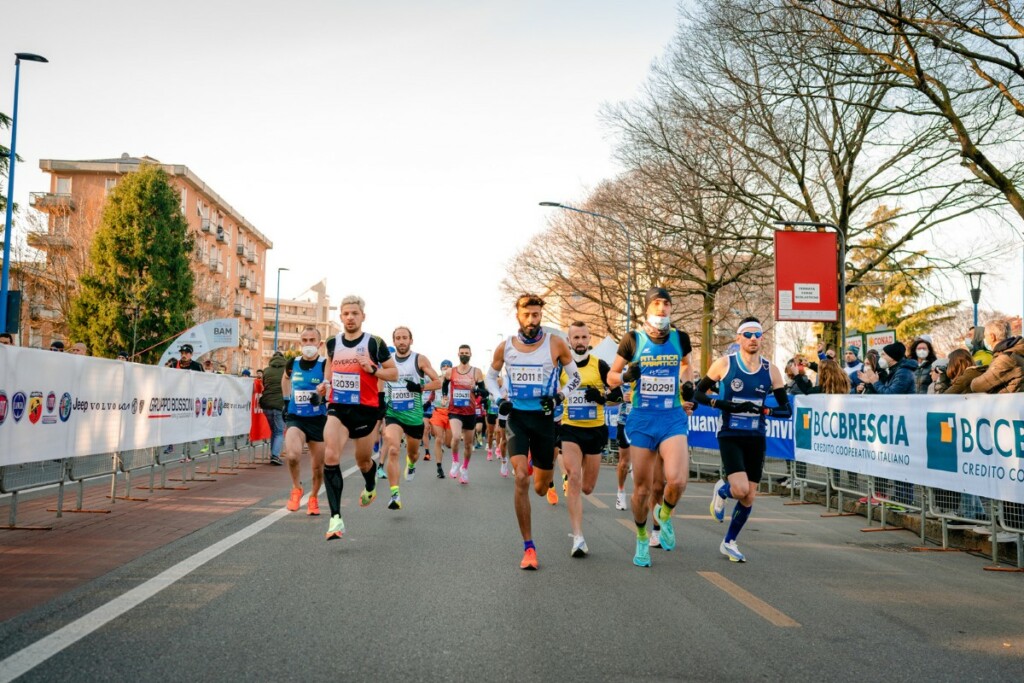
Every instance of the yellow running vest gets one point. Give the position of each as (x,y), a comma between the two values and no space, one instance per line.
(578,411)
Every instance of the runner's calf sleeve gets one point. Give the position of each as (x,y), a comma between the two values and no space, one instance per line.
(333,484)
(370,477)
(740,513)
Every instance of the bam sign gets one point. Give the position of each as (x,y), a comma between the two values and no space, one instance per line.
(972,444)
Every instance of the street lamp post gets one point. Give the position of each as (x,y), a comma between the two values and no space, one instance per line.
(629,252)
(277,306)
(974,280)
(28,57)
(841,342)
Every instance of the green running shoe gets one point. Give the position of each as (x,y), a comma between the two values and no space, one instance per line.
(668,532)
(367,497)
(335,528)
(642,558)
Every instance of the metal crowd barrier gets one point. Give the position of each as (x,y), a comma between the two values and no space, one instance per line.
(30,475)
(89,467)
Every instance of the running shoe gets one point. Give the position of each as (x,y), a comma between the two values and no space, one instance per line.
(367,497)
(463,476)
(655,538)
(529,559)
(620,501)
(381,474)
(552,495)
(274,460)
(579,547)
(717,507)
(504,469)
(335,528)
(313,506)
(732,552)
(454,471)
(440,471)
(668,531)
(642,557)
(410,474)
(426,456)
(529,467)
(490,455)
(396,502)
(293,499)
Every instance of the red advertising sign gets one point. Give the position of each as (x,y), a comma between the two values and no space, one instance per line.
(806,279)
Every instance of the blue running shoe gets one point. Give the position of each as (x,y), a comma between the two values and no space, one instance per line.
(717,507)
(668,532)
(642,558)
(732,552)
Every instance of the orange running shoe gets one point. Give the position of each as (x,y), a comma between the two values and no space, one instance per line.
(553,496)
(293,499)
(529,559)
(313,507)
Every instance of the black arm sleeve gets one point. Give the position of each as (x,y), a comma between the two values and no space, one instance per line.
(615,395)
(782,398)
(603,369)
(725,406)
(703,387)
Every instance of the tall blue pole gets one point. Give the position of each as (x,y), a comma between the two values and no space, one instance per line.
(10,199)
(277,306)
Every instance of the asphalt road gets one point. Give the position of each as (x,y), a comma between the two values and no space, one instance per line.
(434,592)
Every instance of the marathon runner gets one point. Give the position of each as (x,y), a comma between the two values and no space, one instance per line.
(305,417)
(583,431)
(405,410)
(657,359)
(439,424)
(465,383)
(533,361)
(746,379)
(358,361)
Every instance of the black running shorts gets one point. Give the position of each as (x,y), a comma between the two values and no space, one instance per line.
(468,421)
(743,454)
(412,431)
(312,426)
(359,420)
(620,436)
(591,440)
(532,432)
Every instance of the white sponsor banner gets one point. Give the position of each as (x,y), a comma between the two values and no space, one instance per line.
(58,405)
(970,443)
(209,336)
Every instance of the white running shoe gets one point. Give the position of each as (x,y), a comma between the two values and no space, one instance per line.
(504,469)
(717,502)
(579,547)
(620,500)
(410,474)
(655,538)
(731,551)
(463,476)
(454,471)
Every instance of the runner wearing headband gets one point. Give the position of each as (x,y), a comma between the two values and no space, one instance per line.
(747,378)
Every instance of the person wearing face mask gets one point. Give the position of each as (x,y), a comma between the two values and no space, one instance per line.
(305,418)
(925,356)
(533,361)
(993,333)
(272,403)
(747,378)
(657,359)
(900,368)
(584,434)
(1005,374)
(465,382)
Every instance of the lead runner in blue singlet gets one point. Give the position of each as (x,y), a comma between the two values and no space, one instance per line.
(747,378)
(657,359)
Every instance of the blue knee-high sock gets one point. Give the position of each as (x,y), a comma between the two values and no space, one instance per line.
(725,490)
(739,518)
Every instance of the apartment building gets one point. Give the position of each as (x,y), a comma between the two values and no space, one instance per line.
(229,261)
(311,308)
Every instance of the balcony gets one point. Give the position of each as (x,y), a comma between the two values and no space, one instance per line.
(240,250)
(243,282)
(215,264)
(238,309)
(44,239)
(205,225)
(222,236)
(250,256)
(259,289)
(253,286)
(220,267)
(42,312)
(51,201)
(223,302)
(248,314)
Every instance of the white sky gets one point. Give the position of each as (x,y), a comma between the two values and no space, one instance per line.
(398,148)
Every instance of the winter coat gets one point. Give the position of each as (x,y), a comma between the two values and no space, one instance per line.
(962,384)
(800,384)
(1005,374)
(922,377)
(273,398)
(900,379)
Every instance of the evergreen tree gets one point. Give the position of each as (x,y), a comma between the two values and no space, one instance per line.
(889,295)
(139,287)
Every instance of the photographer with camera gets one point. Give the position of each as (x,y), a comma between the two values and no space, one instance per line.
(305,414)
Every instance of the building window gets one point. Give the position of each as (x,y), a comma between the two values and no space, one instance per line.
(108,185)
(184,201)
(63,185)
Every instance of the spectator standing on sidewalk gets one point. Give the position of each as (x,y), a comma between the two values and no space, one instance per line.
(853,365)
(6,339)
(832,379)
(901,369)
(272,403)
(1005,374)
(186,362)
(924,354)
(796,374)
(960,372)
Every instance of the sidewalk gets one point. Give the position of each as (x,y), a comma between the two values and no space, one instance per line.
(36,566)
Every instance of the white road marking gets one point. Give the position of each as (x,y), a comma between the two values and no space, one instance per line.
(35,654)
